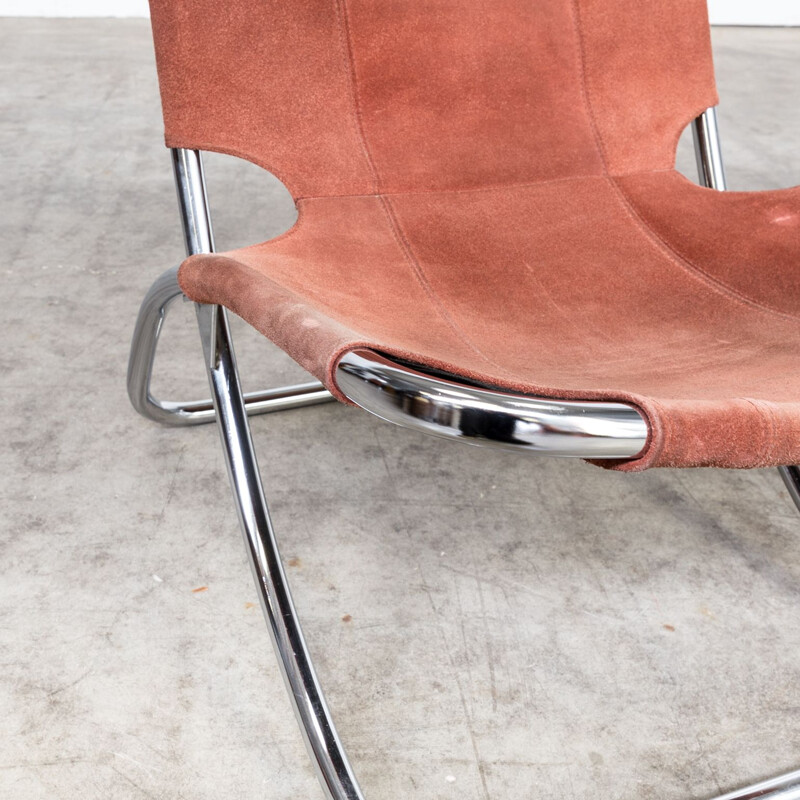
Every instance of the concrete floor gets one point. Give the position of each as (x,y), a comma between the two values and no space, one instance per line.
(486,626)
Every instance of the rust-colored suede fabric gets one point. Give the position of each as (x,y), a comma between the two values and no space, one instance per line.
(487,189)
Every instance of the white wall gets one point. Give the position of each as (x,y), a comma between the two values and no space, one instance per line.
(74,8)
(723,12)
(754,12)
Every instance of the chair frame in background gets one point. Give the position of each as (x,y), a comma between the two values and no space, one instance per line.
(393,391)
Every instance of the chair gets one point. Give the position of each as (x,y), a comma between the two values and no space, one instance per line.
(493,246)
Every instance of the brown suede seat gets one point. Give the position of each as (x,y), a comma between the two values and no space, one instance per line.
(489,190)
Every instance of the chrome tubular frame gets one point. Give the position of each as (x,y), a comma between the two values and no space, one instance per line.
(392,391)
(485,417)
(316,724)
(198,234)
(708,150)
(230,409)
(149,323)
(710,167)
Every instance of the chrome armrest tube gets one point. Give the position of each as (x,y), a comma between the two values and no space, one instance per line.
(487,417)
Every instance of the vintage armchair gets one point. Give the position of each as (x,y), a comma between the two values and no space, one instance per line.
(493,245)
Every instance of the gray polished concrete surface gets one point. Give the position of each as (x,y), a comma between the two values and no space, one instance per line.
(487,626)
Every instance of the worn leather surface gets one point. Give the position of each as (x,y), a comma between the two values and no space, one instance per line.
(488,188)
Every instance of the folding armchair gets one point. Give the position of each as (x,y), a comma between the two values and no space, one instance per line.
(493,245)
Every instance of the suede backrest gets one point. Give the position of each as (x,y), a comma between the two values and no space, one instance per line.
(344,97)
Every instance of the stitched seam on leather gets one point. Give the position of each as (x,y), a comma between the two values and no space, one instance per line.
(347,48)
(419,273)
(577,22)
(394,224)
(690,267)
(492,187)
(496,187)
(271,168)
(587,103)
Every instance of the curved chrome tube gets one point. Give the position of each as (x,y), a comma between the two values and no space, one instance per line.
(487,417)
(149,323)
(153,311)
(305,693)
(199,238)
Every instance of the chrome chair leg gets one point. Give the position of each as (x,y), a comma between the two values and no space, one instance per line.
(708,150)
(784,787)
(322,741)
(230,407)
(711,169)
(791,478)
(148,327)
(316,724)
